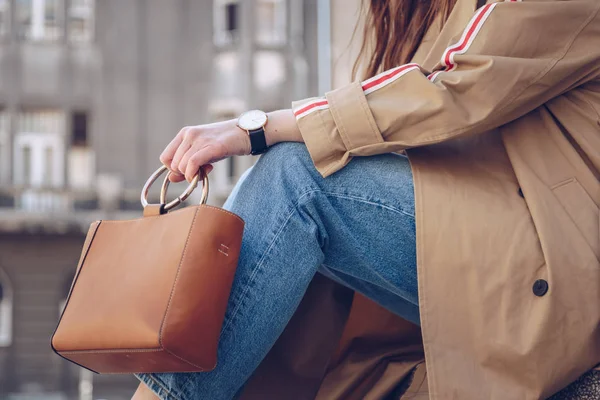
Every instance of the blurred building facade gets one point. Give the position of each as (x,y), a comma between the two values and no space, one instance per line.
(90,93)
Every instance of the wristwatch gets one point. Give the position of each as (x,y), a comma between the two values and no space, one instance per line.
(254,122)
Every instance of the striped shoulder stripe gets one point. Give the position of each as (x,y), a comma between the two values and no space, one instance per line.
(467,38)
(387,77)
(469,34)
(315,105)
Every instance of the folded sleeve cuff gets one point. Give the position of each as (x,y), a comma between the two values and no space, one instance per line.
(320,135)
(334,125)
(353,117)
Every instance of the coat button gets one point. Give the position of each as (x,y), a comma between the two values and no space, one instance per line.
(520,193)
(540,287)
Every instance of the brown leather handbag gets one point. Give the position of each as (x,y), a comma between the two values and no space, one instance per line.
(150,294)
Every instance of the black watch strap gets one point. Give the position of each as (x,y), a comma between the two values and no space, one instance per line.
(258,142)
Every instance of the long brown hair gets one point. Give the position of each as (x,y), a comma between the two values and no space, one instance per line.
(393,30)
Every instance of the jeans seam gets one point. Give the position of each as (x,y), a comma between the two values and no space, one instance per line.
(367,201)
(260,263)
(161,385)
(293,209)
(359,278)
(370,202)
(403,295)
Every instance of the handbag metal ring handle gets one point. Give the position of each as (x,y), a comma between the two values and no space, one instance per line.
(163,190)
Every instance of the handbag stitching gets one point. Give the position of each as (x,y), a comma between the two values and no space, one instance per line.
(200,369)
(147,217)
(88,246)
(162,324)
(172,212)
(77,273)
(222,210)
(99,351)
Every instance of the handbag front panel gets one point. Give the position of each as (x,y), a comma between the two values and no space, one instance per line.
(120,297)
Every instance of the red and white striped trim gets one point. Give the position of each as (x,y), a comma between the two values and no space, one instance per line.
(389,76)
(386,77)
(467,38)
(469,34)
(434,75)
(315,105)
(368,86)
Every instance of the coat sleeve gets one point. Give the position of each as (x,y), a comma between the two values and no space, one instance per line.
(511,58)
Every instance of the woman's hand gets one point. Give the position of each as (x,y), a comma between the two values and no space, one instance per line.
(201,145)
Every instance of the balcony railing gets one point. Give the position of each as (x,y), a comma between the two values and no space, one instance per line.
(45,200)
(60,210)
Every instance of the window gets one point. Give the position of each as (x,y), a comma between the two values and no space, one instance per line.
(81,158)
(38,20)
(79,125)
(81,21)
(269,69)
(41,121)
(4,17)
(6,307)
(26,165)
(39,149)
(3,123)
(231,17)
(226,21)
(271,23)
(48,164)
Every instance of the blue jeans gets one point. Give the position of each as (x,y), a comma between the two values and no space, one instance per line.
(356,226)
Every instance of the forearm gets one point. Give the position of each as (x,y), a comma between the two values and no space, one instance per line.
(201,145)
(282,127)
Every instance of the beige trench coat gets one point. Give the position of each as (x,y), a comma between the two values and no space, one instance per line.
(500,116)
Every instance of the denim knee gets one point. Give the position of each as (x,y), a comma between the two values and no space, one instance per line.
(286,168)
(288,154)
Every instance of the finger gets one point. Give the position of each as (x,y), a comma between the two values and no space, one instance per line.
(200,158)
(169,152)
(181,150)
(206,168)
(182,166)
(175,177)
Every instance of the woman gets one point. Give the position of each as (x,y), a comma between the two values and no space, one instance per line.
(489,238)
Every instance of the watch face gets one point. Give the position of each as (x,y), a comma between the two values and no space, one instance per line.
(253,119)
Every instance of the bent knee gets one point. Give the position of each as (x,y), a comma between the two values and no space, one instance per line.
(285,165)
(286,150)
(288,157)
